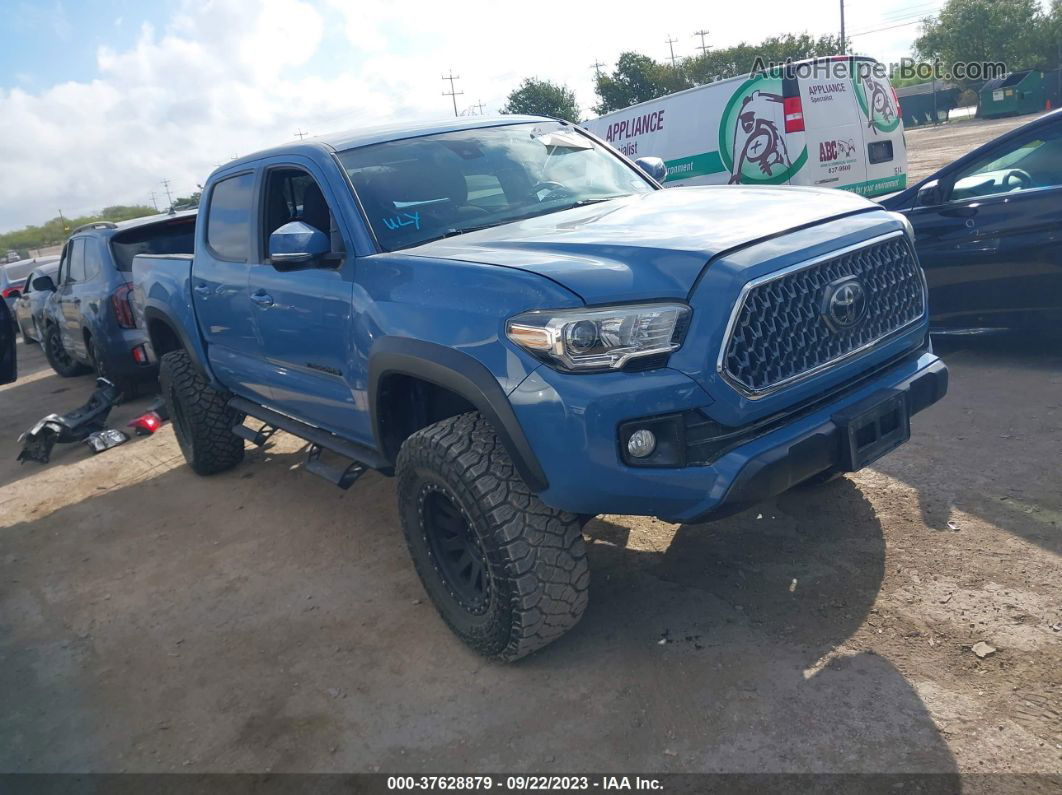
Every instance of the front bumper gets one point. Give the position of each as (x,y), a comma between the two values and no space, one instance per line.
(572,424)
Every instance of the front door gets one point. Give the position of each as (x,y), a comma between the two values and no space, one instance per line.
(992,251)
(304,316)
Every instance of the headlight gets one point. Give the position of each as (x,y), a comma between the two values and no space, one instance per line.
(600,339)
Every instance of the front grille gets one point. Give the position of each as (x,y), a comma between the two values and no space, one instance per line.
(780,333)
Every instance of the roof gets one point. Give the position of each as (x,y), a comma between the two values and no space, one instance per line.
(111,227)
(924,88)
(349,139)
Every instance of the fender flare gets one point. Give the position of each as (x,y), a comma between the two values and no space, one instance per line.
(195,352)
(461,374)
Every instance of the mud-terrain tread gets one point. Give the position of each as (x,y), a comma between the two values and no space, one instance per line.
(535,553)
(213,446)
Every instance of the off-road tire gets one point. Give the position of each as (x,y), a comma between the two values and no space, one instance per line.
(202,419)
(536,568)
(62,362)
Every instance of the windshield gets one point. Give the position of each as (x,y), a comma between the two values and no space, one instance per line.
(424,188)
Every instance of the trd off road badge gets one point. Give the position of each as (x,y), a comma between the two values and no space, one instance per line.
(875,97)
(752,142)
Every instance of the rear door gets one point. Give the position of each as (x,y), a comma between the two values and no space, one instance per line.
(220,293)
(68,300)
(304,317)
(884,150)
(833,133)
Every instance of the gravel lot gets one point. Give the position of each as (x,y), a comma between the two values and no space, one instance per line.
(261,619)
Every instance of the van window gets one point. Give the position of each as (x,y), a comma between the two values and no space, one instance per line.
(76,271)
(229,217)
(176,236)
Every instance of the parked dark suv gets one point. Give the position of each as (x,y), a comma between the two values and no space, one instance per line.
(89,323)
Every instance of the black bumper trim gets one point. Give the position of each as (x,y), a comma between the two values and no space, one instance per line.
(779,469)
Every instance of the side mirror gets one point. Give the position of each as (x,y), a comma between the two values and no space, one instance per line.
(653,166)
(44,284)
(297,244)
(929,195)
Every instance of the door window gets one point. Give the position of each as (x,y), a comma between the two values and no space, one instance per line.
(293,195)
(92,259)
(76,270)
(1027,163)
(229,218)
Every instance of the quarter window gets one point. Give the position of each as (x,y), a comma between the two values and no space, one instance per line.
(229,217)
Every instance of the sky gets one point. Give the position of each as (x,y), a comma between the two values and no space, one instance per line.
(102,100)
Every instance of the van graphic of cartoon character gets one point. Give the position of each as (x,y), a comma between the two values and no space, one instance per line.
(880,108)
(756,136)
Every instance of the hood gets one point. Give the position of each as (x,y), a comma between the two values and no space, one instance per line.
(649,246)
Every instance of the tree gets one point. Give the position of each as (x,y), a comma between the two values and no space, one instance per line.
(1009,31)
(637,78)
(188,202)
(727,62)
(53,231)
(537,97)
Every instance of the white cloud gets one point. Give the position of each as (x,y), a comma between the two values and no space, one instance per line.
(231,76)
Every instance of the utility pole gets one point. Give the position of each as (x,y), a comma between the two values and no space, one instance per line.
(154,203)
(166,185)
(844,46)
(62,220)
(704,47)
(479,106)
(671,45)
(596,66)
(452,93)
(301,134)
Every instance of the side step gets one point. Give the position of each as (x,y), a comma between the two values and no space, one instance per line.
(342,477)
(362,458)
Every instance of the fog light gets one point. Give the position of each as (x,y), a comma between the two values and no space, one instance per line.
(641,443)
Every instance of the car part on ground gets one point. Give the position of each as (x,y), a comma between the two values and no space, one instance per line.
(146,424)
(74,426)
(104,440)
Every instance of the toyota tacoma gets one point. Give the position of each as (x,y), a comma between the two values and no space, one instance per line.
(526,330)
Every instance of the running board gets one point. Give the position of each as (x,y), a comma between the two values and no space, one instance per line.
(361,456)
(343,477)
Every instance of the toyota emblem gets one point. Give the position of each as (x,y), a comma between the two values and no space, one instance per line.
(844,303)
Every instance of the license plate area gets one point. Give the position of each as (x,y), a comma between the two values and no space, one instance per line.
(872,427)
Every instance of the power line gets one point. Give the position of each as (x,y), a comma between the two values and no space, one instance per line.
(452,93)
(166,185)
(670,44)
(891,27)
(703,47)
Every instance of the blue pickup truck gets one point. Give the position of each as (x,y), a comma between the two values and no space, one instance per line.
(525,329)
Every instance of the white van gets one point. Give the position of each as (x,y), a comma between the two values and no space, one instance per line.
(828,122)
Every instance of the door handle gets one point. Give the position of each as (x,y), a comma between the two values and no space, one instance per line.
(202,289)
(262,299)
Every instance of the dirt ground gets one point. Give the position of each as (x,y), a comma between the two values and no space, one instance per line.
(263,620)
(930,148)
